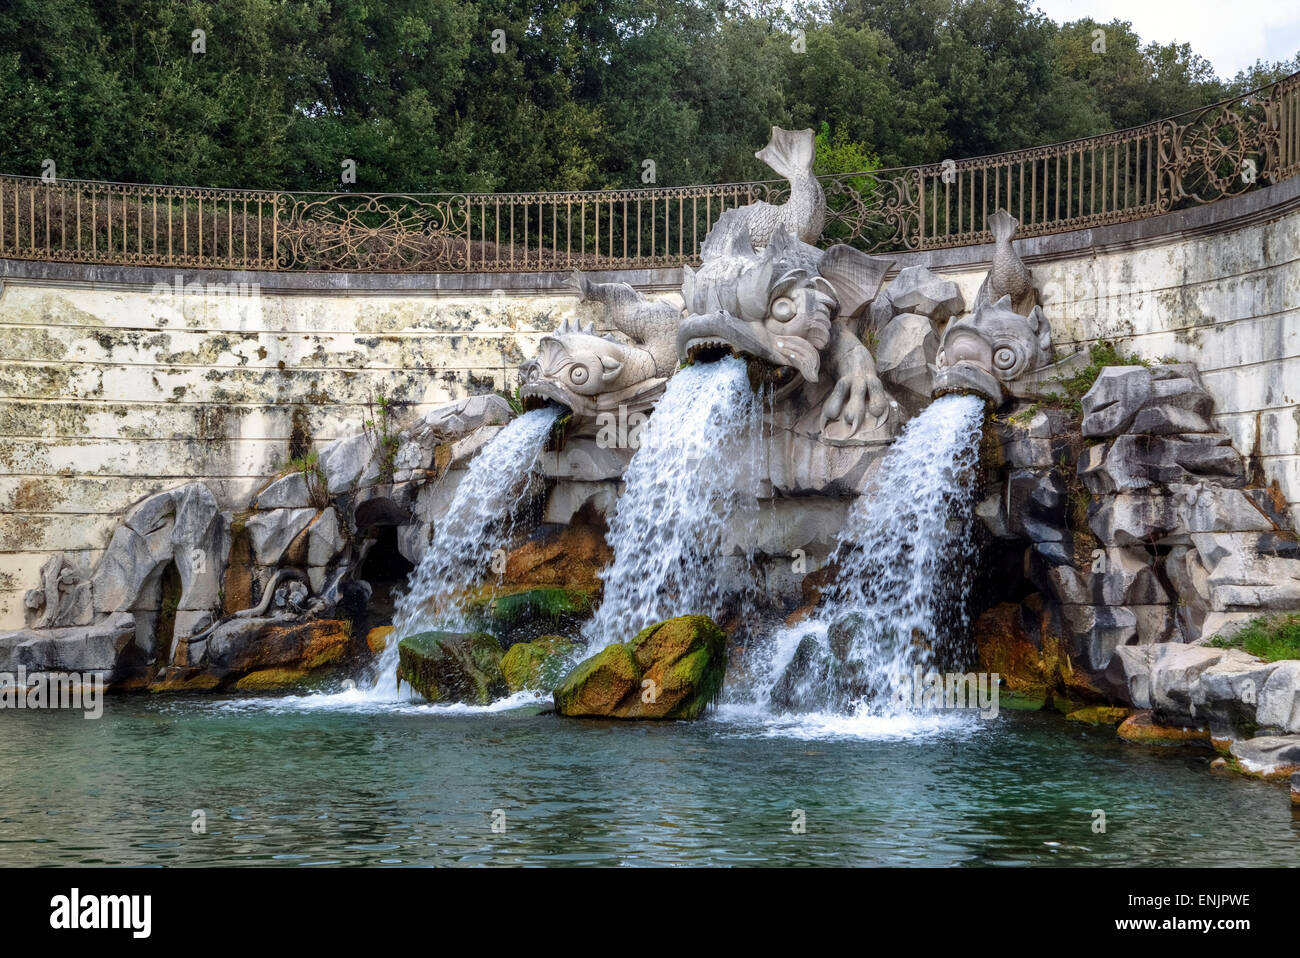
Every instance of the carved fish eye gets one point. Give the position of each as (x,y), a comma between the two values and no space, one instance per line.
(783,309)
(1004,357)
(578,375)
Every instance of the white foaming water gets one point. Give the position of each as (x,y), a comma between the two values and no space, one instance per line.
(904,573)
(688,489)
(477,521)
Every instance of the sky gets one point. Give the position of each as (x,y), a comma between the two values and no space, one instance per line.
(1231,36)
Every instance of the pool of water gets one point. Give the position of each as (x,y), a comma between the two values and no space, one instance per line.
(330,780)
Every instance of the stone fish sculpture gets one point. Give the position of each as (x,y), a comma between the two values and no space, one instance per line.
(761,292)
(590,373)
(985,351)
(780,307)
(1008,275)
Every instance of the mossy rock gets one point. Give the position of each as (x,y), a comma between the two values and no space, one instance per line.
(524,613)
(377,638)
(672,670)
(538,665)
(1099,715)
(452,666)
(267,680)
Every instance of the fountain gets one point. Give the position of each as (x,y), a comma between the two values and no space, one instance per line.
(900,593)
(690,484)
(477,522)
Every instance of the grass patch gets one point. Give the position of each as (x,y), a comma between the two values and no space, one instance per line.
(1270,637)
(1100,355)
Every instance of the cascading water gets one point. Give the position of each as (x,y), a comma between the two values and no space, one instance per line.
(903,576)
(477,521)
(687,490)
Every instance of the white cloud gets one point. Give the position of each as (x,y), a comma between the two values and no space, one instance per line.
(1230,36)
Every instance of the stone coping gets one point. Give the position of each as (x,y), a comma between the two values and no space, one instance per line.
(1230,214)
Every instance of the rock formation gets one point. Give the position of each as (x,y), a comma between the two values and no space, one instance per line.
(672,670)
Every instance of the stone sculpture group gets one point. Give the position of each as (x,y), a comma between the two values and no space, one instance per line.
(1184,548)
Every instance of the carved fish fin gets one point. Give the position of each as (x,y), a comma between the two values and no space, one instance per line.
(752,291)
(688,288)
(790,152)
(611,368)
(730,235)
(854,276)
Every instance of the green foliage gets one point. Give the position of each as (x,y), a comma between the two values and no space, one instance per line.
(1100,355)
(514,399)
(1025,415)
(836,153)
(309,465)
(383,440)
(1271,637)
(580,96)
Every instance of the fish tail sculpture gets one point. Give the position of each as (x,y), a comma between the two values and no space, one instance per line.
(1008,276)
(790,153)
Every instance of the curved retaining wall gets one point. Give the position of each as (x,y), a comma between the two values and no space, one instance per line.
(119,382)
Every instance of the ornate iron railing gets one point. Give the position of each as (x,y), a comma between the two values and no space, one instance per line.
(1198,157)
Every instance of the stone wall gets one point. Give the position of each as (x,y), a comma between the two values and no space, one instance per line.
(116,383)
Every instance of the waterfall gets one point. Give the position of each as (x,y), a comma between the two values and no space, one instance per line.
(477,522)
(687,491)
(904,570)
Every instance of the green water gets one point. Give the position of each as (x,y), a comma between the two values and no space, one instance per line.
(311,782)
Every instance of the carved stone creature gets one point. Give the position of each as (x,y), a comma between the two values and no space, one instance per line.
(63,598)
(779,306)
(995,345)
(791,154)
(591,373)
(1008,276)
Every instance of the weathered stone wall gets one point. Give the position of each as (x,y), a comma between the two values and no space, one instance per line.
(114,385)
(112,388)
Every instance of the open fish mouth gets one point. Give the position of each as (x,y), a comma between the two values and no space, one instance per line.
(709,337)
(704,349)
(542,392)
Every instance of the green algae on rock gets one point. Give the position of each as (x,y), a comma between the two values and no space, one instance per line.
(537,665)
(672,670)
(452,666)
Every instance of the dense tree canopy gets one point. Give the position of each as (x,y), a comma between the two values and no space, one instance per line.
(445,95)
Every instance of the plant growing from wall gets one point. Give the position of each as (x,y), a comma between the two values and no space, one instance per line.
(514,399)
(383,440)
(1100,355)
(309,465)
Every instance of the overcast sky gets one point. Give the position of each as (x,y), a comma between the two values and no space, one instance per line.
(1231,35)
